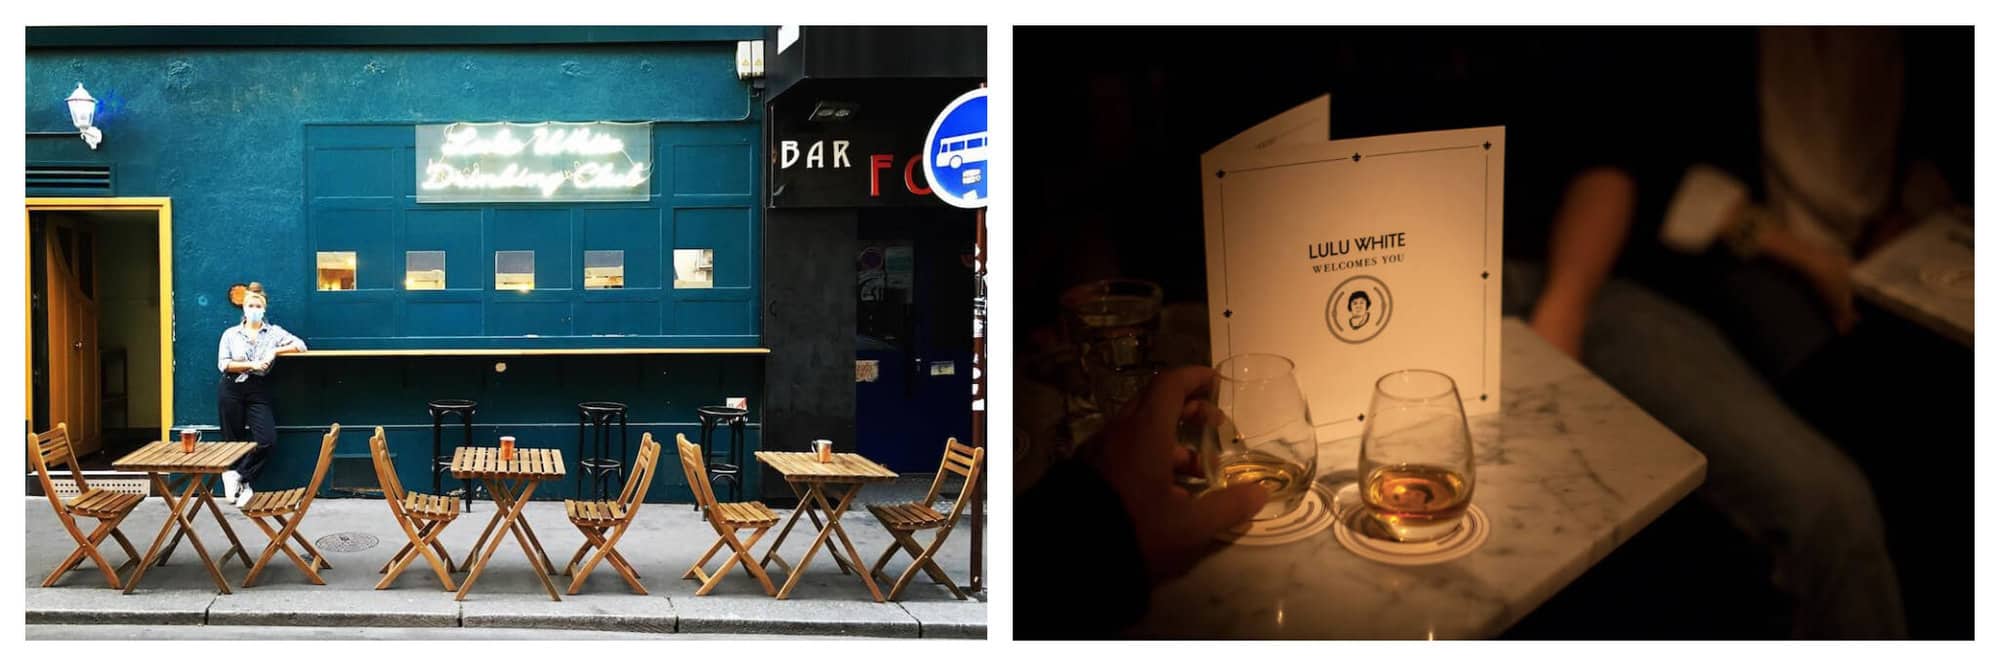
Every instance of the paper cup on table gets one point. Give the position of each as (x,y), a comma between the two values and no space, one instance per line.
(824,449)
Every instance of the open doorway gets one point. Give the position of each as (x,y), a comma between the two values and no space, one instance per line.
(100,351)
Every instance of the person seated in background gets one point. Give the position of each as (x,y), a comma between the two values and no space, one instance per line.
(1748,341)
(1777,479)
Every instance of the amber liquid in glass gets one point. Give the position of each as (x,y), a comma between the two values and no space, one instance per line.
(1416,502)
(1287,481)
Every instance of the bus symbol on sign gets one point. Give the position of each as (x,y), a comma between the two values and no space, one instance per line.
(955,152)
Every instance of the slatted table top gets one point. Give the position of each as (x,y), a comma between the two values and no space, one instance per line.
(483,462)
(166,456)
(845,468)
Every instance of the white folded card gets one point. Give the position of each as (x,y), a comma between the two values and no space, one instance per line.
(1356,258)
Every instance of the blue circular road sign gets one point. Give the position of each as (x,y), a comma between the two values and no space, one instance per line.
(955,152)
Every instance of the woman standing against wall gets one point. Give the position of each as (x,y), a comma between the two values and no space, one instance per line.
(245,396)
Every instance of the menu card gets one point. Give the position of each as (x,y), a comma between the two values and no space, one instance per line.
(1357,257)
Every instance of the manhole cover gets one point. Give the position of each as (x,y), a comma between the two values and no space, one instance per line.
(347,542)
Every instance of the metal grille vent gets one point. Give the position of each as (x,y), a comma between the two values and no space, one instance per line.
(70,178)
(66,488)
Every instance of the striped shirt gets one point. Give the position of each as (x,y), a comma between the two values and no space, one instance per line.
(242,345)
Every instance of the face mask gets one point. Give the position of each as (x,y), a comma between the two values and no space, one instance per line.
(253,314)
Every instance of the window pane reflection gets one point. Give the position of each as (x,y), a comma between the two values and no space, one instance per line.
(423,270)
(604,269)
(336,271)
(514,269)
(694,268)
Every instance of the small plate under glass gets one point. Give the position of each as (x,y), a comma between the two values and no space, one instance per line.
(1360,535)
(1313,516)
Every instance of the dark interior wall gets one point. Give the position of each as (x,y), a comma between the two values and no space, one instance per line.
(809,314)
(128,310)
(1129,124)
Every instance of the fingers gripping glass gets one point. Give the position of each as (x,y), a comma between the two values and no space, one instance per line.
(1260,432)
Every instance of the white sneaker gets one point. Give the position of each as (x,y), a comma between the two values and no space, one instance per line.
(243,498)
(231,482)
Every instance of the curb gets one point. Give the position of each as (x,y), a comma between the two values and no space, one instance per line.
(889,621)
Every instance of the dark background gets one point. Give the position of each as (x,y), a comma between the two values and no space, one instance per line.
(1111,123)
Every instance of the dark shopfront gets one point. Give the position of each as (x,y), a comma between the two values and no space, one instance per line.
(296,157)
(870,281)
(869,278)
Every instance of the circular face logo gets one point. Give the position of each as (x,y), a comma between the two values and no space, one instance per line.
(1359,309)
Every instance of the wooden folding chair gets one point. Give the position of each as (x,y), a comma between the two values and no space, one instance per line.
(109,508)
(727,519)
(594,518)
(904,520)
(288,508)
(422,517)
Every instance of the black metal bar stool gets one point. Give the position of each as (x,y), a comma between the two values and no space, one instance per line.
(594,423)
(730,468)
(441,461)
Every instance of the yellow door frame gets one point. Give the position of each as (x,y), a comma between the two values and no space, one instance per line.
(163,209)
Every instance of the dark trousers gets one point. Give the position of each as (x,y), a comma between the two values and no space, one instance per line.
(248,414)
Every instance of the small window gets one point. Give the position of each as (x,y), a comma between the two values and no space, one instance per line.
(975,143)
(423,270)
(604,269)
(694,269)
(514,269)
(336,271)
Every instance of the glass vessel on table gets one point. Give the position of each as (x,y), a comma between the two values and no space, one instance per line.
(1416,456)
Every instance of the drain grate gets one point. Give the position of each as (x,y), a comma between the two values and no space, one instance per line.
(347,542)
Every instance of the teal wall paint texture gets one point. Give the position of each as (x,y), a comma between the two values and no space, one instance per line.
(221,132)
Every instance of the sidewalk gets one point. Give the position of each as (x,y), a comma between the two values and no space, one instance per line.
(664,540)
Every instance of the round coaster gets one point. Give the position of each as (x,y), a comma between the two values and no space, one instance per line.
(1314,515)
(1357,532)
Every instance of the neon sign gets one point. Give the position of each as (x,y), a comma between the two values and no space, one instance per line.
(533,162)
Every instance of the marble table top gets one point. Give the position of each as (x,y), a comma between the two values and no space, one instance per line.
(1566,472)
(1925,275)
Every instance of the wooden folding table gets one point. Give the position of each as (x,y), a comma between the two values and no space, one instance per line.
(161,459)
(511,482)
(845,475)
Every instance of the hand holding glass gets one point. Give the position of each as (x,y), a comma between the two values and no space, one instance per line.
(1265,435)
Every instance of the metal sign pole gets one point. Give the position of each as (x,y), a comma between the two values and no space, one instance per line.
(978,578)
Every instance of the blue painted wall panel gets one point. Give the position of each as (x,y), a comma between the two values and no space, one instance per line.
(224,133)
(720,214)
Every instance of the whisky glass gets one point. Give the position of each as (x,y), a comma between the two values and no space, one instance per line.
(1264,435)
(1111,323)
(1416,456)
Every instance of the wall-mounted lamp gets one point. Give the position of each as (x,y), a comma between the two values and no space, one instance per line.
(832,111)
(750,59)
(83,112)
